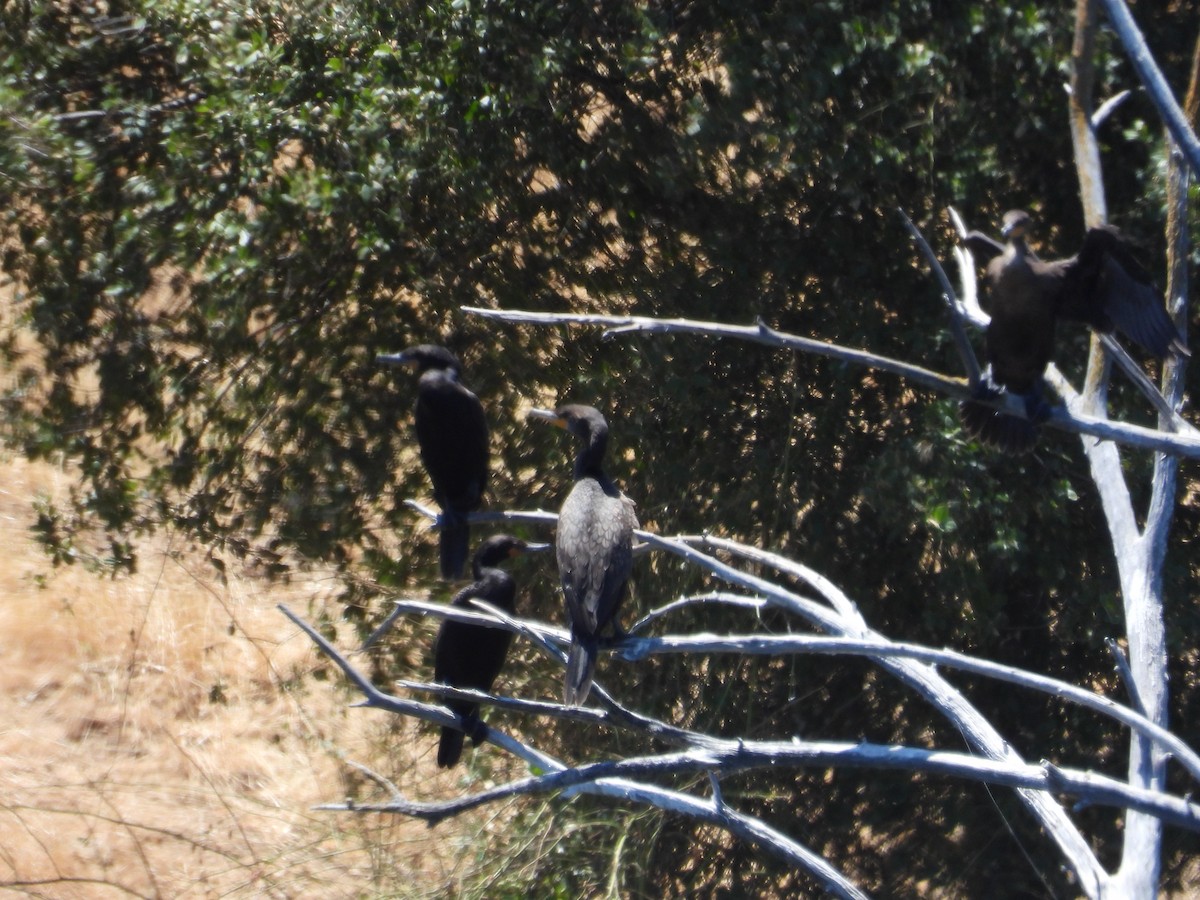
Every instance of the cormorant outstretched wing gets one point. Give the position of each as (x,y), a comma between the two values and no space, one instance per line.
(982,247)
(1107,288)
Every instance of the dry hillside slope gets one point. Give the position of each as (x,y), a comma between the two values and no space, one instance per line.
(160,738)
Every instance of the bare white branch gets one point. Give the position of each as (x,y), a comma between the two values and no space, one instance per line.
(871,645)
(1072,420)
(634,649)
(738,756)
(742,757)
(739,824)
(1139,555)
(724,598)
(858,639)
(965,352)
(968,284)
(1108,107)
(1156,85)
(975,728)
(613,779)
(838,615)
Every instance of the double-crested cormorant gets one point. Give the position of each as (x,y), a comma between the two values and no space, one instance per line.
(466,655)
(594,545)
(453,436)
(1102,286)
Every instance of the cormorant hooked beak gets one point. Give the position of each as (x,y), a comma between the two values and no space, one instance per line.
(549,415)
(395,359)
(1016,223)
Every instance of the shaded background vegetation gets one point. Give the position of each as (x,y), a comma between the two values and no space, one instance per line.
(219,213)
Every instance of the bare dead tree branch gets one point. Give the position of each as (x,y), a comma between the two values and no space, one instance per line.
(921,677)
(724,757)
(875,647)
(1108,107)
(965,352)
(1139,554)
(731,757)
(1073,419)
(739,824)
(869,639)
(741,757)
(830,610)
(1160,92)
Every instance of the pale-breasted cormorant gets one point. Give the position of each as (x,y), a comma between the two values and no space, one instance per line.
(1102,286)
(594,545)
(467,655)
(452,433)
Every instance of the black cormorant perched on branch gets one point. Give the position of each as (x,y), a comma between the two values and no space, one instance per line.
(1102,286)
(467,655)
(452,433)
(594,546)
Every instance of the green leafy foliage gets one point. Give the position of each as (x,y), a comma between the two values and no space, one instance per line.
(216,215)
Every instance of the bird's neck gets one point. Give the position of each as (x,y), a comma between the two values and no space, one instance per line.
(1019,248)
(488,572)
(589,462)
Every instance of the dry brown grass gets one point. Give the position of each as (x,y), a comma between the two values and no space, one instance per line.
(160,736)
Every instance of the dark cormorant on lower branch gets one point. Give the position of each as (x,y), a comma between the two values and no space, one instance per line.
(467,655)
(452,433)
(1102,286)
(594,546)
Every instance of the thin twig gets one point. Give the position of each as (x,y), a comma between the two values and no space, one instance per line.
(1122,664)
(723,598)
